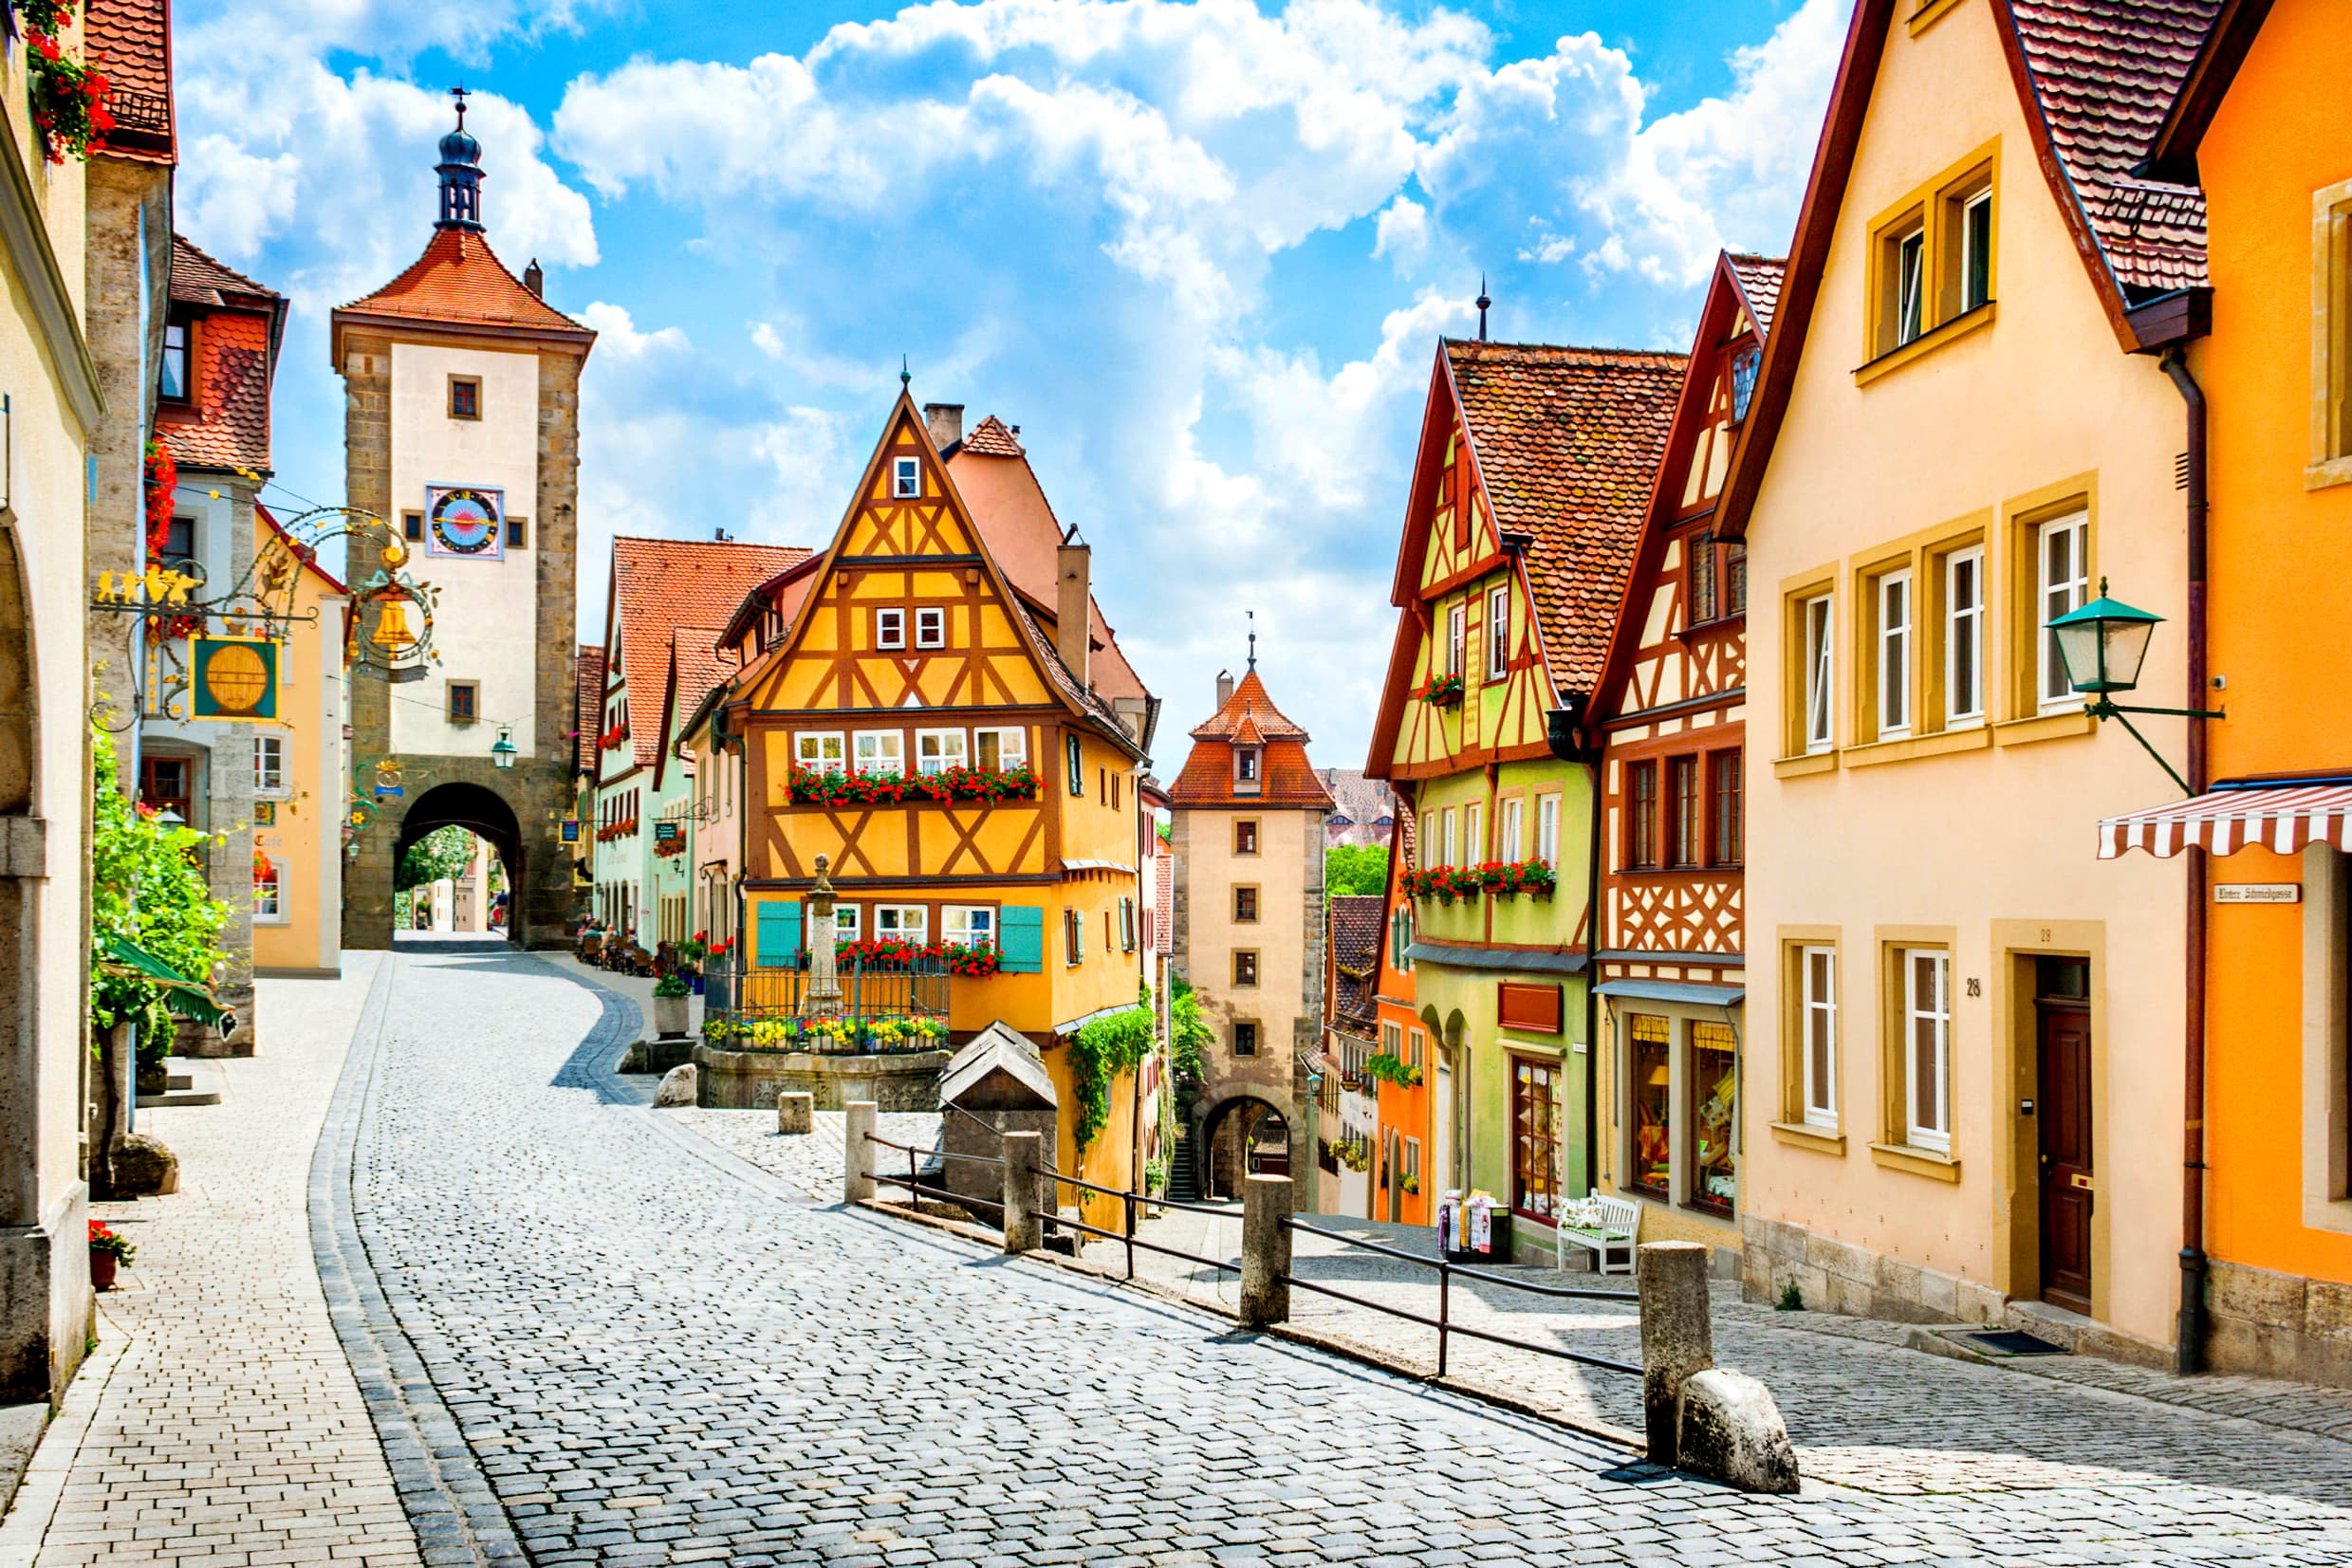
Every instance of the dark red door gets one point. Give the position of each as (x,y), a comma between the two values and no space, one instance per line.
(2065,1147)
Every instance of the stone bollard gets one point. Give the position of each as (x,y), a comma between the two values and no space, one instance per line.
(1265,1251)
(796,1111)
(1024,1153)
(1678,1334)
(857,1174)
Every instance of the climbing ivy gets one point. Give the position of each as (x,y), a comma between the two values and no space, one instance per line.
(1104,1049)
(1190,1033)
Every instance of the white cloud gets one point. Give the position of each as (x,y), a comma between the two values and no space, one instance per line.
(1401,231)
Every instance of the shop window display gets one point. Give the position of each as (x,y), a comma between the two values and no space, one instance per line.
(1652,1106)
(1714,1112)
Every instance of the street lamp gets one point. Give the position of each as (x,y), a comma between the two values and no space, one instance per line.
(502,749)
(2101,646)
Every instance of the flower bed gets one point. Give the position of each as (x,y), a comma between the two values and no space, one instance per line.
(823,787)
(827,1036)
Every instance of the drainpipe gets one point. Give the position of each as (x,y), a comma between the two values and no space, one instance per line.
(2189,1354)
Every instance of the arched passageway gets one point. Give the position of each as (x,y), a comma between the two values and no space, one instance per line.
(480,812)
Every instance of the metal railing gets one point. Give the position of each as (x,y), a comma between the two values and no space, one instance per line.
(913,1185)
(747,991)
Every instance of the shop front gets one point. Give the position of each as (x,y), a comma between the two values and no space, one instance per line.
(1670,1098)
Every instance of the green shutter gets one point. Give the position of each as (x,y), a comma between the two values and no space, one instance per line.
(779,934)
(1021,938)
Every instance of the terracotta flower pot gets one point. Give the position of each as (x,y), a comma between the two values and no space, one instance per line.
(101,1269)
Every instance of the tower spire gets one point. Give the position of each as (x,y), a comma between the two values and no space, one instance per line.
(1253,641)
(462,174)
(1483,302)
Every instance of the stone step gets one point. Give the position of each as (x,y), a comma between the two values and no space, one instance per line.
(188,1081)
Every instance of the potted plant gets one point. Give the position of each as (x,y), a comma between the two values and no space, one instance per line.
(108,1252)
(670,994)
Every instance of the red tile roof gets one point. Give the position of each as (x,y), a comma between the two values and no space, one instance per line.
(130,41)
(1759,281)
(990,438)
(1567,442)
(1357,923)
(1248,704)
(589,717)
(663,584)
(199,279)
(459,281)
(1288,780)
(225,424)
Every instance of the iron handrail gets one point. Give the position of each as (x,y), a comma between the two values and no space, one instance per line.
(943,1153)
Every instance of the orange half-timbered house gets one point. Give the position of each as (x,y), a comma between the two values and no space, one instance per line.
(1667,717)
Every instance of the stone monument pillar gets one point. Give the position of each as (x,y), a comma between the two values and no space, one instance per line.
(825,986)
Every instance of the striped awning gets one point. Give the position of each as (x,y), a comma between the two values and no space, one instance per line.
(2284,818)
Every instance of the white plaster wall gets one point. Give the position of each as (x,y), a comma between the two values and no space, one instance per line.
(484,627)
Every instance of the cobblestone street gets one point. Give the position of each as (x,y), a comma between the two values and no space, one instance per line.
(589,1333)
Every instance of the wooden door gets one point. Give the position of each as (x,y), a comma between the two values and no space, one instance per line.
(2065,1123)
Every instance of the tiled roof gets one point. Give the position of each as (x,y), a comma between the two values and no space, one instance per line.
(460,280)
(225,423)
(589,716)
(1356,927)
(1249,703)
(1400,848)
(197,279)
(991,438)
(701,667)
(1287,779)
(1567,441)
(131,42)
(2104,74)
(661,584)
(1063,676)
(1360,800)
(1759,280)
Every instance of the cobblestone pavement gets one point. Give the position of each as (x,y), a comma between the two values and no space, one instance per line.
(227,1430)
(811,1164)
(1867,1410)
(654,1359)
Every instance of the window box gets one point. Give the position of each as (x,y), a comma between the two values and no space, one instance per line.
(823,787)
(1444,691)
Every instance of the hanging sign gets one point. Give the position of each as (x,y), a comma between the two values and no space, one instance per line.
(462,522)
(569,828)
(665,833)
(234,678)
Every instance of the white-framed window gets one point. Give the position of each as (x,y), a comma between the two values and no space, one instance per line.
(1977,250)
(890,627)
(1445,837)
(905,922)
(1392,1040)
(2062,582)
(882,751)
(1457,636)
(1909,286)
(1417,1048)
(1547,829)
(937,750)
(1894,641)
(1927,1048)
(268,764)
(931,627)
(1498,631)
(1473,833)
(819,751)
(974,925)
(1821,645)
(1963,637)
(999,750)
(1508,821)
(906,479)
(269,901)
(847,924)
(1412,1172)
(1818,974)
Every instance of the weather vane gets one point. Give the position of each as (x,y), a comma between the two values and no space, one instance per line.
(459,93)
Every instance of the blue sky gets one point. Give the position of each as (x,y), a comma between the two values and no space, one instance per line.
(1200,253)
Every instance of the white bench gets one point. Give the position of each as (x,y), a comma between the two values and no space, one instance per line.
(1619,1226)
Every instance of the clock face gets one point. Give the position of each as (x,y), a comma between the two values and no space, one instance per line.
(464,522)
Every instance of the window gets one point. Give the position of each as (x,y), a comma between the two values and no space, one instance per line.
(1400,937)
(1730,828)
(882,751)
(179,542)
(1246,968)
(1547,830)
(1244,906)
(2331,346)
(931,627)
(819,751)
(1735,579)
(1641,814)
(412,524)
(1819,646)
(1744,367)
(1077,757)
(1508,816)
(848,923)
(268,764)
(1246,761)
(1907,285)
(1817,970)
(1687,819)
(1126,925)
(937,750)
(1073,937)
(465,397)
(1445,839)
(1245,1038)
(906,479)
(1649,1081)
(1702,548)
(1000,750)
(1977,250)
(1392,1040)
(903,922)
(465,702)
(1927,1043)
(1245,836)
(518,532)
(1474,833)
(267,904)
(171,381)
(971,925)
(1498,632)
(1412,1165)
(1893,672)
(1963,637)
(2062,582)
(889,628)
(1457,639)
(1713,1115)
(1416,1050)
(1535,1136)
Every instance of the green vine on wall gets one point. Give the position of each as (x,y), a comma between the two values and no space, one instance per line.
(1104,1049)
(1190,1033)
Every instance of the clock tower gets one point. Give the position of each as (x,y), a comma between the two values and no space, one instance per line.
(461,437)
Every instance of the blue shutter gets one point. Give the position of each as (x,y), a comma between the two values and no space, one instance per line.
(779,934)
(1021,938)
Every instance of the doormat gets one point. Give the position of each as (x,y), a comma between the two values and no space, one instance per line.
(2010,1342)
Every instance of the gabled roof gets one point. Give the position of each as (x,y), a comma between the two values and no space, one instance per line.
(131,41)
(1358,922)
(199,279)
(459,283)
(1249,705)
(1248,717)
(1567,442)
(1359,799)
(697,666)
(998,1048)
(659,585)
(1759,279)
(991,438)
(589,660)
(225,423)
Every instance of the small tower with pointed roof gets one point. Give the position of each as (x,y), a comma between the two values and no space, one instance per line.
(1249,813)
(461,437)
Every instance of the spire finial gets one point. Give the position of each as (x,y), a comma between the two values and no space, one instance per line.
(1483,302)
(460,93)
(906,377)
(1253,643)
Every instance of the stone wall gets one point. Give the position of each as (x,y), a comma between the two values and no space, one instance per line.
(2277,1325)
(1835,1276)
(750,1080)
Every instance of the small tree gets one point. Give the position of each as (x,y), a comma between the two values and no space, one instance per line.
(1355,868)
(1190,1033)
(148,889)
(442,853)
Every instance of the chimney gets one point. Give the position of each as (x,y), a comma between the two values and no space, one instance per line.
(1225,688)
(535,280)
(946,423)
(1072,631)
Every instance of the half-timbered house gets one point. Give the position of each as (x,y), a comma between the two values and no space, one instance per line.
(1667,715)
(1527,495)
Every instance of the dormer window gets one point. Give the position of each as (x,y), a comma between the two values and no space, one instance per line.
(1247,761)
(906,479)
(1744,367)
(172,380)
